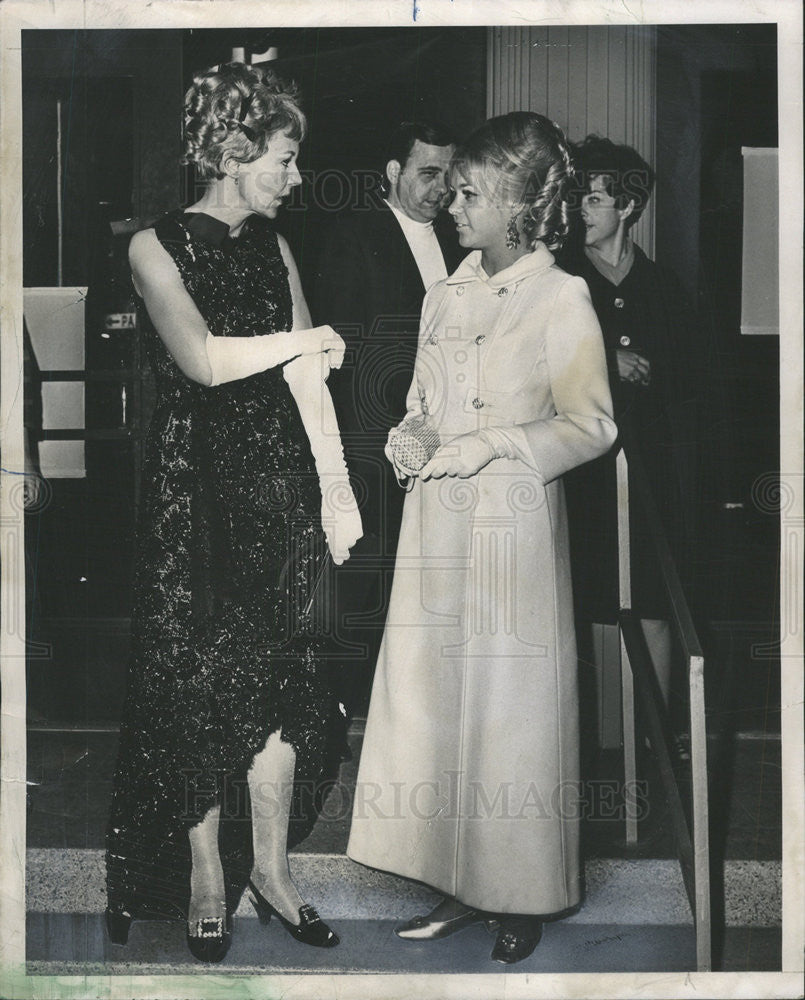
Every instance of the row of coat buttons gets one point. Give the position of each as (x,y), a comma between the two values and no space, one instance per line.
(501,291)
(619,304)
(433,339)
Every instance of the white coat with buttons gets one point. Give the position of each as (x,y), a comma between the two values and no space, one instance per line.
(468,778)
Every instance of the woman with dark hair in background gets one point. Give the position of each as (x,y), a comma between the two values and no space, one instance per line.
(468,779)
(648,334)
(244,478)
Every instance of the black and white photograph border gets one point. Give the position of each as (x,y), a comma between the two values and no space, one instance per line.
(781,491)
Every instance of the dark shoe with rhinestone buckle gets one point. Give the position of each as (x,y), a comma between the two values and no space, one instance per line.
(517,938)
(209,938)
(311,929)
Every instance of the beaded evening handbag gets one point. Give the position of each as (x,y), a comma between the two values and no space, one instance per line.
(414,444)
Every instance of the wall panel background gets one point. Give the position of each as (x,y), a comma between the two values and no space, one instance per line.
(587,79)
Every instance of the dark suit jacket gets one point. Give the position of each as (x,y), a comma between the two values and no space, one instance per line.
(367,285)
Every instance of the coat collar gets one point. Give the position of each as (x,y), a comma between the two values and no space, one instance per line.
(531,263)
(582,265)
(614,273)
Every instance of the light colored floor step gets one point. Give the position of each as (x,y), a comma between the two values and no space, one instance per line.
(66,944)
(619,891)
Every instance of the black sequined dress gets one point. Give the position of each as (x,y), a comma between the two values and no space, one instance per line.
(229,548)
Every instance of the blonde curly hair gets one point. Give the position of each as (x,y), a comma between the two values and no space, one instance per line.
(234,110)
(522,159)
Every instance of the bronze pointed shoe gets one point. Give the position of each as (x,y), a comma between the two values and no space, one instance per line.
(516,940)
(424,929)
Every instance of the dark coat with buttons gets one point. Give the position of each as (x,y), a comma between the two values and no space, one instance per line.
(649,313)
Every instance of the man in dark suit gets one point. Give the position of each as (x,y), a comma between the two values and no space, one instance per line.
(377,262)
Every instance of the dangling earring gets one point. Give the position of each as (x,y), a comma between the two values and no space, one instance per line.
(512,235)
(237,179)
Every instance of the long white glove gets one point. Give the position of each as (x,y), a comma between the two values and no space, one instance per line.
(340,517)
(234,358)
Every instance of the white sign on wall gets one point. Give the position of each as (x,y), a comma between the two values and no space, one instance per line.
(55,321)
(760,271)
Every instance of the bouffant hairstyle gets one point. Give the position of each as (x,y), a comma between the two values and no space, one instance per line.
(233,110)
(522,159)
(626,175)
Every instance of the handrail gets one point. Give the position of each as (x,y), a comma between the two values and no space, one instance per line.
(640,661)
(694,853)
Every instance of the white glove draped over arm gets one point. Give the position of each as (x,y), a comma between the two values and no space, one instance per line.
(341,520)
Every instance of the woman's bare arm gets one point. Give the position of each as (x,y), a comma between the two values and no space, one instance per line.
(173,313)
(301,313)
(185,334)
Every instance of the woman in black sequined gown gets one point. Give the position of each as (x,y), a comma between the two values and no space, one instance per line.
(225,688)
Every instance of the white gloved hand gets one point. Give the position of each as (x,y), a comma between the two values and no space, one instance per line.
(340,517)
(463,456)
(323,340)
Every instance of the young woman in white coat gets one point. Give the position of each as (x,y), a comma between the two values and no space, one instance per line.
(468,779)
